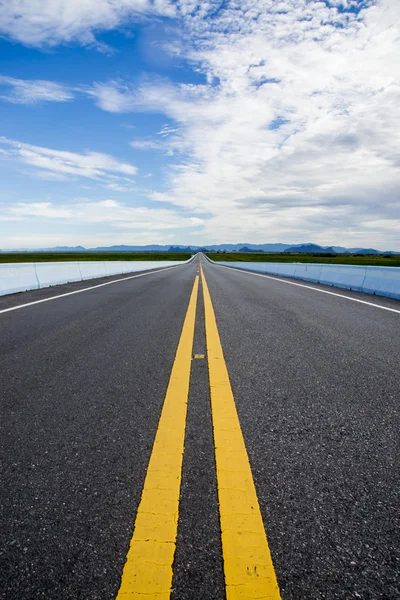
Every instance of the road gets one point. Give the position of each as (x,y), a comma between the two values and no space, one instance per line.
(83,381)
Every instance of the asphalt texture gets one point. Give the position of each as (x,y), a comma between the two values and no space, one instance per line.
(317,387)
(198,566)
(82,379)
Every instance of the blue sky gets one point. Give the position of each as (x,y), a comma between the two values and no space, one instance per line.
(139,121)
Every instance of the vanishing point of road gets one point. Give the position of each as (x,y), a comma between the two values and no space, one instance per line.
(199,432)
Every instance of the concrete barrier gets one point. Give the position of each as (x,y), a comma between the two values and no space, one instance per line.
(286,269)
(345,276)
(381,281)
(20,277)
(115,267)
(314,272)
(91,269)
(300,271)
(54,273)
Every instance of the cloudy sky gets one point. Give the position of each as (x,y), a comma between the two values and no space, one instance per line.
(176,121)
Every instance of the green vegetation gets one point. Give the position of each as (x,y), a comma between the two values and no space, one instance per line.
(20,257)
(378,260)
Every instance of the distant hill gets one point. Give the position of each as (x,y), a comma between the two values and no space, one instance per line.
(367,251)
(174,248)
(181,249)
(311,249)
(124,248)
(238,247)
(316,249)
(63,249)
(247,249)
(243,247)
(257,247)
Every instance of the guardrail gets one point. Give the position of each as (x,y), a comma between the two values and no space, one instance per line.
(381,281)
(20,277)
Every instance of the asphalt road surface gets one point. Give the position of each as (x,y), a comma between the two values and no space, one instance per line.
(315,379)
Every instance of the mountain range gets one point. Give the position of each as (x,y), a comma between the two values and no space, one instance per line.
(245,247)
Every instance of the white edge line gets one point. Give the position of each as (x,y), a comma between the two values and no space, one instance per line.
(309,287)
(92,287)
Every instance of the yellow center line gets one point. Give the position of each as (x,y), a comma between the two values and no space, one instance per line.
(248,567)
(148,568)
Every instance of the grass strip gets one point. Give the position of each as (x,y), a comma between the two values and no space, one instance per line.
(378,260)
(22,257)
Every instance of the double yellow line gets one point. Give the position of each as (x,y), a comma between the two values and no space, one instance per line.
(248,568)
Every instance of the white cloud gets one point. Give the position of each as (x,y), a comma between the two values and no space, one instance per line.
(25,91)
(51,22)
(294,136)
(45,239)
(297,133)
(116,187)
(61,163)
(109,212)
(113,96)
(146,144)
(166,130)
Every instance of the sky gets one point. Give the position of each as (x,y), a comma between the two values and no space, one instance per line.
(181,122)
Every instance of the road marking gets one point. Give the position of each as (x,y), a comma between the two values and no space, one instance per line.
(148,569)
(248,567)
(93,287)
(198,356)
(309,287)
